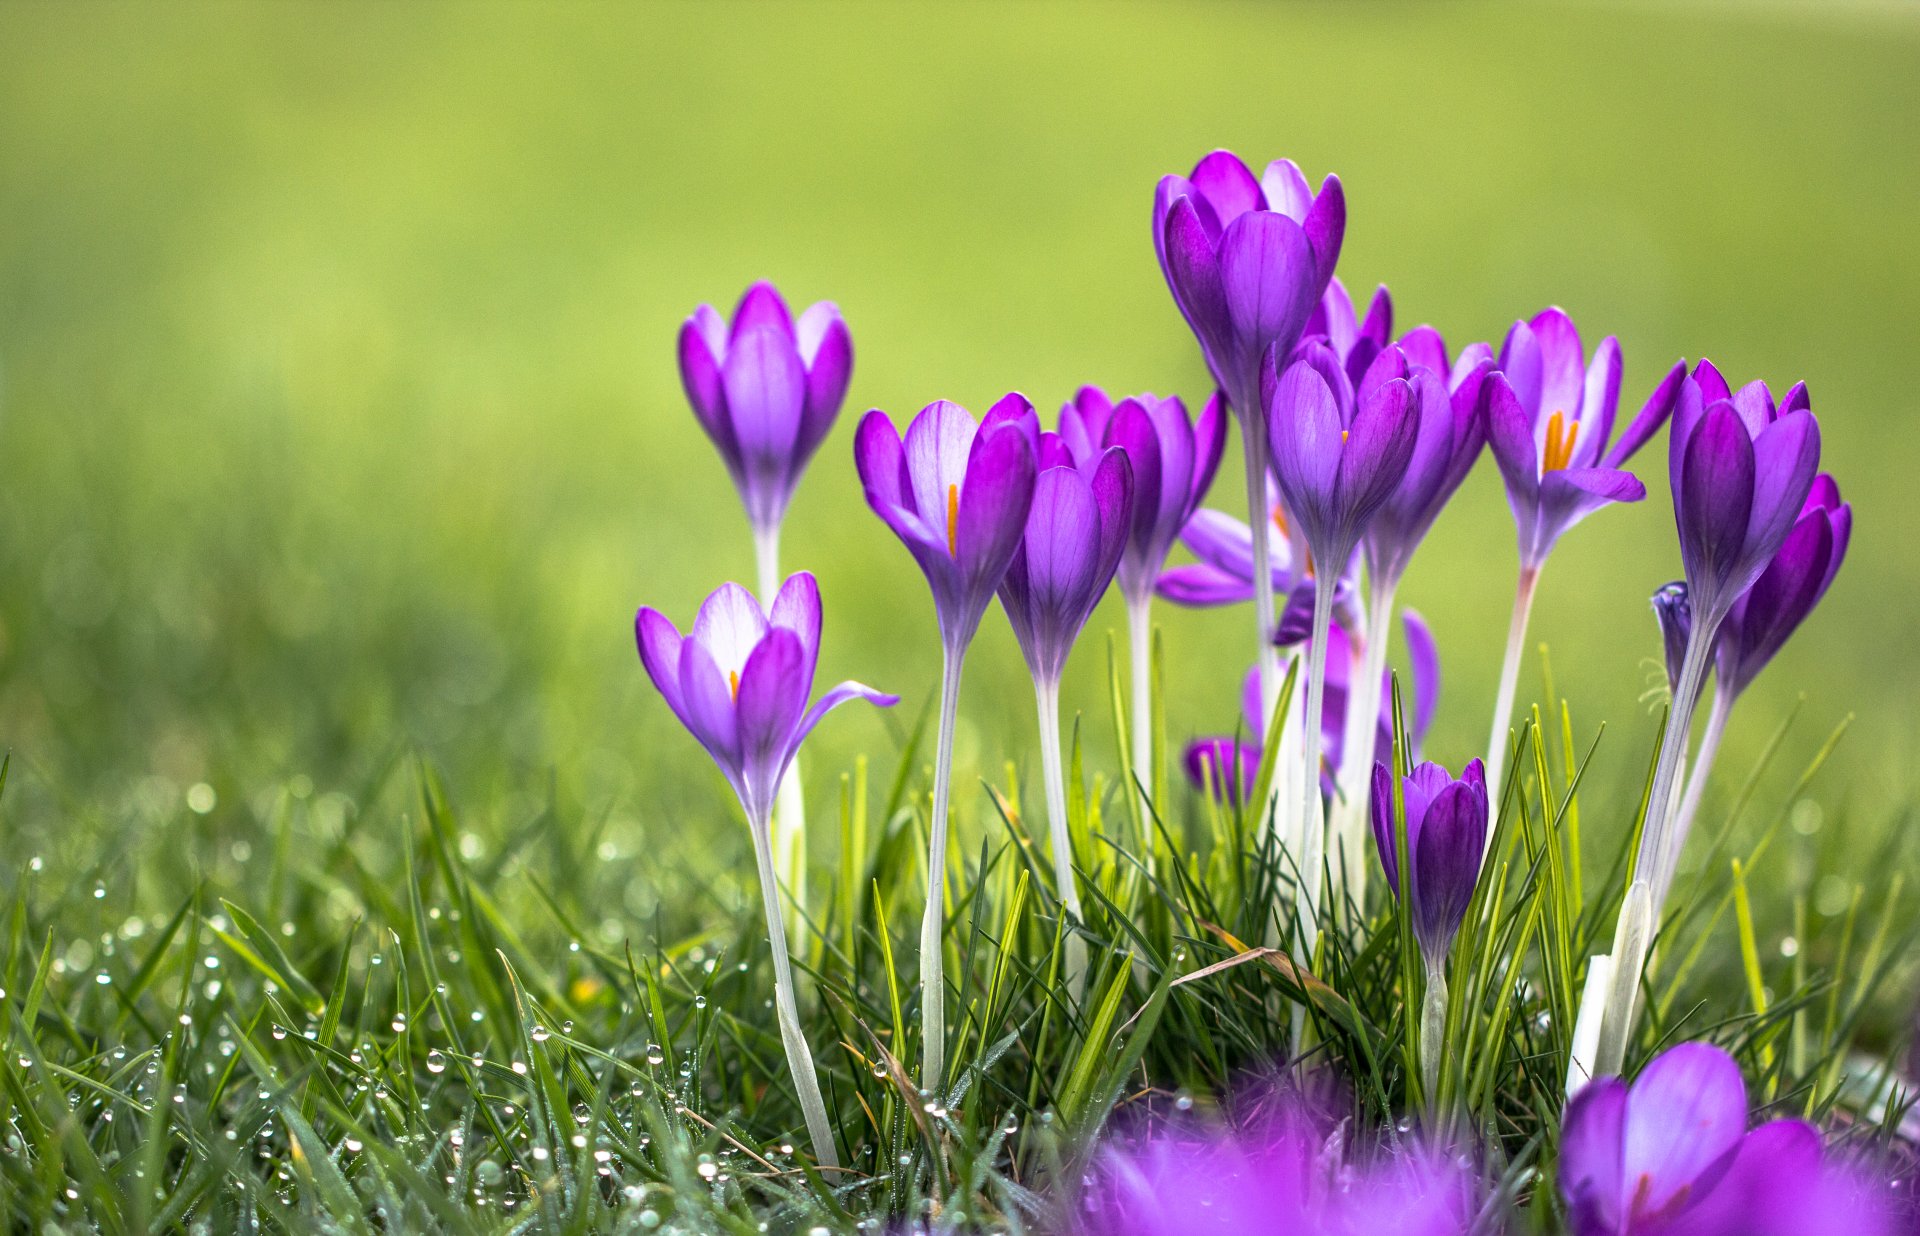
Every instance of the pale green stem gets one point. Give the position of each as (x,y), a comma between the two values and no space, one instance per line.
(1313,845)
(1509,684)
(799,1059)
(1140,645)
(1653,866)
(790,805)
(1048,696)
(1717,716)
(933,986)
(1253,444)
(1359,736)
(1433,1030)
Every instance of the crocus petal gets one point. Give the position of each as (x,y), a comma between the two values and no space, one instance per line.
(1266,278)
(1326,228)
(771,699)
(729,625)
(1659,407)
(1209,441)
(796,608)
(1714,502)
(1510,436)
(1220,540)
(1200,586)
(761,306)
(1523,367)
(1134,432)
(1305,432)
(1423,656)
(1562,364)
(766,399)
(835,697)
(1226,185)
(938,446)
(1786,455)
(1446,863)
(707,696)
(1425,347)
(881,462)
(1592,1145)
(1686,1112)
(700,375)
(1193,275)
(827,351)
(659,642)
(1374,456)
(1713,387)
(1599,400)
(1380,805)
(1763,1191)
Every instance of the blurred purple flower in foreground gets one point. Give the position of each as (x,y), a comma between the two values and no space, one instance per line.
(1289,1177)
(766,389)
(1671,1155)
(739,682)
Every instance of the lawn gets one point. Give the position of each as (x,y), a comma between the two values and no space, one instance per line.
(352,870)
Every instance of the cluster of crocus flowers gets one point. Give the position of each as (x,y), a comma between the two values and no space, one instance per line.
(1430,838)
(1247,260)
(1550,417)
(957,493)
(1173,459)
(740,682)
(767,388)
(1742,468)
(1671,1155)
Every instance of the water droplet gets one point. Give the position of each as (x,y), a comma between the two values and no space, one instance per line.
(436,1062)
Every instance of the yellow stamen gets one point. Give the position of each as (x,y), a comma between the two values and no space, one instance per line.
(733,682)
(953,521)
(1559,445)
(1343,437)
(1280,519)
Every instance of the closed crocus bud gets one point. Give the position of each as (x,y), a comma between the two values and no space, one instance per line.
(1173,459)
(1742,467)
(1675,616)
(766,389)
(1788,589)
(1549,419)
(1446,819)
(1247,260)
(1075,533)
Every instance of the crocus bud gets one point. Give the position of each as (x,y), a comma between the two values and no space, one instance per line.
(1787,590)
(1075,532)
(1446,820)
(766,389)
(1675,616)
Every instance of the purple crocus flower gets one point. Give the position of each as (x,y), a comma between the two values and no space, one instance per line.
(1207,759)
(1173,458)
(957,494)
(1788,589)
(766,389)
(1760,622)
(739,682)
(1247,261)
(1742,467)
(1173,462)
(1077,529)
(1550,417)
(1671,1155)
(1446,822)
(1549,423)
(1354,340)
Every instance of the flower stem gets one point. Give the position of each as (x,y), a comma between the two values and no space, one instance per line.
(1659,852)
(1359,734)
(1716,728)
(1253,444)
(1509,683)
(799,1059)
(933,986)
(1433,1031)
(790,807)
(1140,644)
(1313,827)
(1048,695)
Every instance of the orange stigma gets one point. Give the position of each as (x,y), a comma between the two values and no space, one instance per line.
(1280,519)
(953,521)
(1559,444)
(733,682)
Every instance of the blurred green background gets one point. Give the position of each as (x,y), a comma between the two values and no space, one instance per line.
(339,420)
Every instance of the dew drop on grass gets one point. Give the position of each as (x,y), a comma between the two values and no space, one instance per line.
(541,1034)
(436,1062)
(279,1032)
(655,1056)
